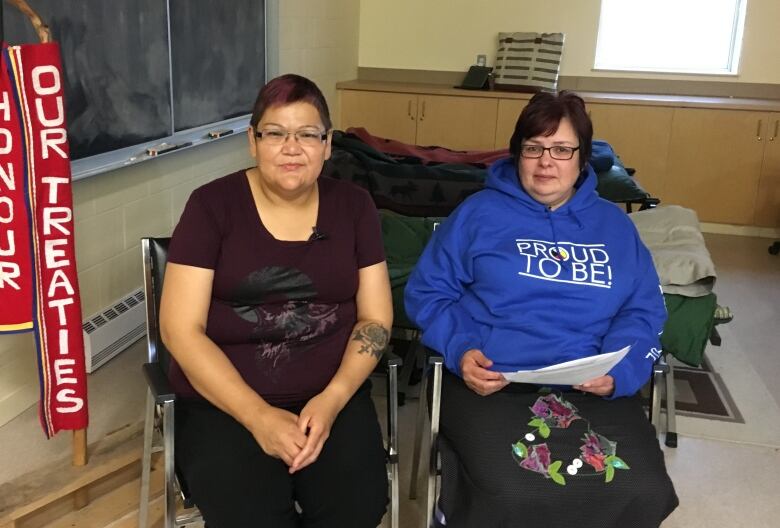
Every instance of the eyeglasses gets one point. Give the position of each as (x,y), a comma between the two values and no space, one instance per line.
(278,136)
(558,152)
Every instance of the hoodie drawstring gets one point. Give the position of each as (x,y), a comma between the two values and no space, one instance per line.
(556,251)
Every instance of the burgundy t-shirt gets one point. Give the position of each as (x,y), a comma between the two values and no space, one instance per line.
(281,311)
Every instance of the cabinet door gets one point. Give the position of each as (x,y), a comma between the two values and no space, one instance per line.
(508,112)
(714,163)
(459,123)
(640,136)
(383,114)
(768,197)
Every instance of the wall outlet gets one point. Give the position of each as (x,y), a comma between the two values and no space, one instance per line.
(481,60)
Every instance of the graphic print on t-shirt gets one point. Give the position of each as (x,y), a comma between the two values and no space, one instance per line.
(581,264)
(276,300)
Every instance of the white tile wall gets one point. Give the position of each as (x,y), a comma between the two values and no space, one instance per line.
(318,39)
(18,375)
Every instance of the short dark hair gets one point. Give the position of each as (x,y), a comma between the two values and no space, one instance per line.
(289,89)
(542,116)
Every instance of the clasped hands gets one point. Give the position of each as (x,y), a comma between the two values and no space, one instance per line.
(474,365)
(297,439)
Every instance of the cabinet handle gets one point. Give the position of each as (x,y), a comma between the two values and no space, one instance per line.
(409,110)
(422,116)
(777,124)
(758,131)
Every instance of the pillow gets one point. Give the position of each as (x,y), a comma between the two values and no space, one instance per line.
(616,185)
(602,156)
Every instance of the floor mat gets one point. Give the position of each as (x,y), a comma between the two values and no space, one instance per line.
(703,394)
(755,415)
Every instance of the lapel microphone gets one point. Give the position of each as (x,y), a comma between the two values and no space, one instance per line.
(317,235)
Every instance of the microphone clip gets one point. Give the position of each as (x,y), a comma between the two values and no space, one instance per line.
(317,235)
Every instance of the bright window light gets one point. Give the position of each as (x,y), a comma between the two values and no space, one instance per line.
(678,36)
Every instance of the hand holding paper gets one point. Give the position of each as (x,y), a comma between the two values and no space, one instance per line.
(573,372)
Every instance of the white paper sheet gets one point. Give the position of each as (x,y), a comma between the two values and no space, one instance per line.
(572,372)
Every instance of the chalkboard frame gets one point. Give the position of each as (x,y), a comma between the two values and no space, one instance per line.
(184,139)
(132,155)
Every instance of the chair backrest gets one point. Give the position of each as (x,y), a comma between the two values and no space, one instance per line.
(155,257)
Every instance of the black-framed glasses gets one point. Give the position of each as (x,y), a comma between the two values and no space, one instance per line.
(305,137)
(557,152)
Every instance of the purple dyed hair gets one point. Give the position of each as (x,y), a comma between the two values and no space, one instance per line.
(542,116)
(289,89)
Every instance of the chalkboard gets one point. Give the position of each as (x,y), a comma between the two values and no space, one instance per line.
(142,70)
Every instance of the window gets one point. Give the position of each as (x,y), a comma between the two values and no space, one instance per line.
(677,36)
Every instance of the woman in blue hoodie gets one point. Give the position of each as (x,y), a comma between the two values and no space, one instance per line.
(533,271)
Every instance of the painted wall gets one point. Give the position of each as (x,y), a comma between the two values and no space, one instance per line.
(114,210)
(447,35)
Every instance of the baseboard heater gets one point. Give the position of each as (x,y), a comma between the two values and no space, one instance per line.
(110,331)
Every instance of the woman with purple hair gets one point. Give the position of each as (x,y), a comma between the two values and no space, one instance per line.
(276,307)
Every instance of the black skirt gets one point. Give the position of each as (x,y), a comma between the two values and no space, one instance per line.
(485,485)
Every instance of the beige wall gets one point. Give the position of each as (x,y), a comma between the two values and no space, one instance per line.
(114,210)
(447,35)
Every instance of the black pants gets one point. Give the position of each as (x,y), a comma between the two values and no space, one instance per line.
(482,484)
(236,484)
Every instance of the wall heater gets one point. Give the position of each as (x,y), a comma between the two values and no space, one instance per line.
(110,331)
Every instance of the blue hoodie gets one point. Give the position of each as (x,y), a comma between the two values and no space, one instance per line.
(490,279)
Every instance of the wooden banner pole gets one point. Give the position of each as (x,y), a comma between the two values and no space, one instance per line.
(44,34)
(80,447)
(80,496)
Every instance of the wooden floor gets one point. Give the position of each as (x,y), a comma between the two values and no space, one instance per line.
(103,493)
(117,508)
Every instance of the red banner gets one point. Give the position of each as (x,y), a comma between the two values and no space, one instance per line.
(36,81)
(16,270)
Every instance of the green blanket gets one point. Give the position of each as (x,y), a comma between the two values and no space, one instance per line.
(404,238)
(688,326)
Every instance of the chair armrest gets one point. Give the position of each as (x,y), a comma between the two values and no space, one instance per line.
(392,363)
(660,366)
(436,364)
(158,383)
(390,359)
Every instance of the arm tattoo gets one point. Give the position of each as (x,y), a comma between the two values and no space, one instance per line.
(373,338)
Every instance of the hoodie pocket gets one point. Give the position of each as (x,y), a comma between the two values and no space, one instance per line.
(512,349)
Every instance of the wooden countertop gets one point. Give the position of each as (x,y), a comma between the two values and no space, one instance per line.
(676,101)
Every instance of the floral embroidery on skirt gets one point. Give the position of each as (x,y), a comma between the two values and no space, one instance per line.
(550,412)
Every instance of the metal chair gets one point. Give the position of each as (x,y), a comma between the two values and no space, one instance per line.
(435,366)
(160,398)
(159,422)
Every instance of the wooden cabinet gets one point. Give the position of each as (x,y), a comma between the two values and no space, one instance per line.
(640,136)
(384,114)
(459,123)
(714,163)
(508,112)
(768,197)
